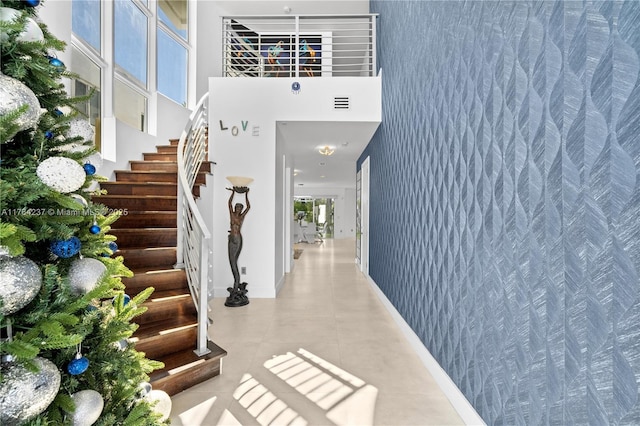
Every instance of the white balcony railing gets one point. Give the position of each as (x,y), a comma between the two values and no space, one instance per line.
(300,46)
(193,235)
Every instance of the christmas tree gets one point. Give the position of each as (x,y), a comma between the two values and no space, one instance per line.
(65,319)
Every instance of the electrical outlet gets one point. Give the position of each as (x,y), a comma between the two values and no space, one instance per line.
(243,270)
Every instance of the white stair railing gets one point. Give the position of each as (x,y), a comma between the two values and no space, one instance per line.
(299,46)
(193,235)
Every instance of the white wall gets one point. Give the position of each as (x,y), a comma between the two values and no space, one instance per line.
(251,104)
(131,143)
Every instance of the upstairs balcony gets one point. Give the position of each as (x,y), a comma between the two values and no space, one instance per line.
(299,46)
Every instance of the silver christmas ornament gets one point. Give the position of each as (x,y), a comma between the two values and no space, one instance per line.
(84,274)
(61,174)
(13,95)
(20,281)
(80,200)
(162,402)
(80,127)
(24,394)
(89,405)
(31,32)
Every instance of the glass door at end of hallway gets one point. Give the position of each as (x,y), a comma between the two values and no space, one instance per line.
(317,213)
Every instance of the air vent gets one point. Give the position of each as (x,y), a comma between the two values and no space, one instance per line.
(341,102)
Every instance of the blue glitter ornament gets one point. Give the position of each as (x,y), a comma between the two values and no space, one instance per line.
(78,365)
(65,248)
(57,112)
(113,246)
(126,299)
(89,169)
(56,62)
(31,3)
(95,229)
(48,134)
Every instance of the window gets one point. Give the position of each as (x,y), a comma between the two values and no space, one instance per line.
(172,68)
(125,75)
(130,105)
(131,42)
(173,13)
(88,80)
(173,50)
(86,21)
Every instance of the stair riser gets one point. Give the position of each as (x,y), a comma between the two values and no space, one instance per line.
(145,238)
(159,310)
(139,220)
(169,280)
(188,378)
(149,258)
(127,176)
(162,166)
(153,166)
(139,189)
(159,346)
(156,156)
(167,149)
(138,204)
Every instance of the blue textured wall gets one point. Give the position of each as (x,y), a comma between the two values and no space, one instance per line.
(505,200)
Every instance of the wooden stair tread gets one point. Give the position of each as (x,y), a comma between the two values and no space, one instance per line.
(165,327)
(180,361)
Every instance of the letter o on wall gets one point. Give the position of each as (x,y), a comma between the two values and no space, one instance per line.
(234,130)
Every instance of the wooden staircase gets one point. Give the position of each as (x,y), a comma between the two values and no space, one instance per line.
(147,239)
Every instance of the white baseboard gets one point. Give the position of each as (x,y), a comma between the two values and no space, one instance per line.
(460,403)
(279,285)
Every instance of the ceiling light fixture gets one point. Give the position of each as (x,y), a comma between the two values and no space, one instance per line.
(326,150)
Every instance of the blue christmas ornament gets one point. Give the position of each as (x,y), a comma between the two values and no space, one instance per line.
(126,300)
(78,365)
(89,169)
(65,248)
(57,112)
(113,246)
(48,134)
(56,62)
(95,229)
(31,3)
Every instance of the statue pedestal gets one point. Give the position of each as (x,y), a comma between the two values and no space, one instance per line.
(237,296)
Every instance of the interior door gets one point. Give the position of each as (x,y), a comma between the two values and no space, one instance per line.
(364,231)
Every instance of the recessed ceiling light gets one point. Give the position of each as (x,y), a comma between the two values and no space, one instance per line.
(322,163)
(345,143)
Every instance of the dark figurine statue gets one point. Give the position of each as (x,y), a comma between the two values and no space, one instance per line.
(237,293)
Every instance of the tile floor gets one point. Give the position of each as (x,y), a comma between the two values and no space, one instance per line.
(324,352)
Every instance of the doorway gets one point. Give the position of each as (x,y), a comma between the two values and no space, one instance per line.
(314,218)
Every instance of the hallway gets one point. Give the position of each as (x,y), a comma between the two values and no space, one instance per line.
(324,352)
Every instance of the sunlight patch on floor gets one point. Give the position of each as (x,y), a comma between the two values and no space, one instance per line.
(343,398)
(197,415)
